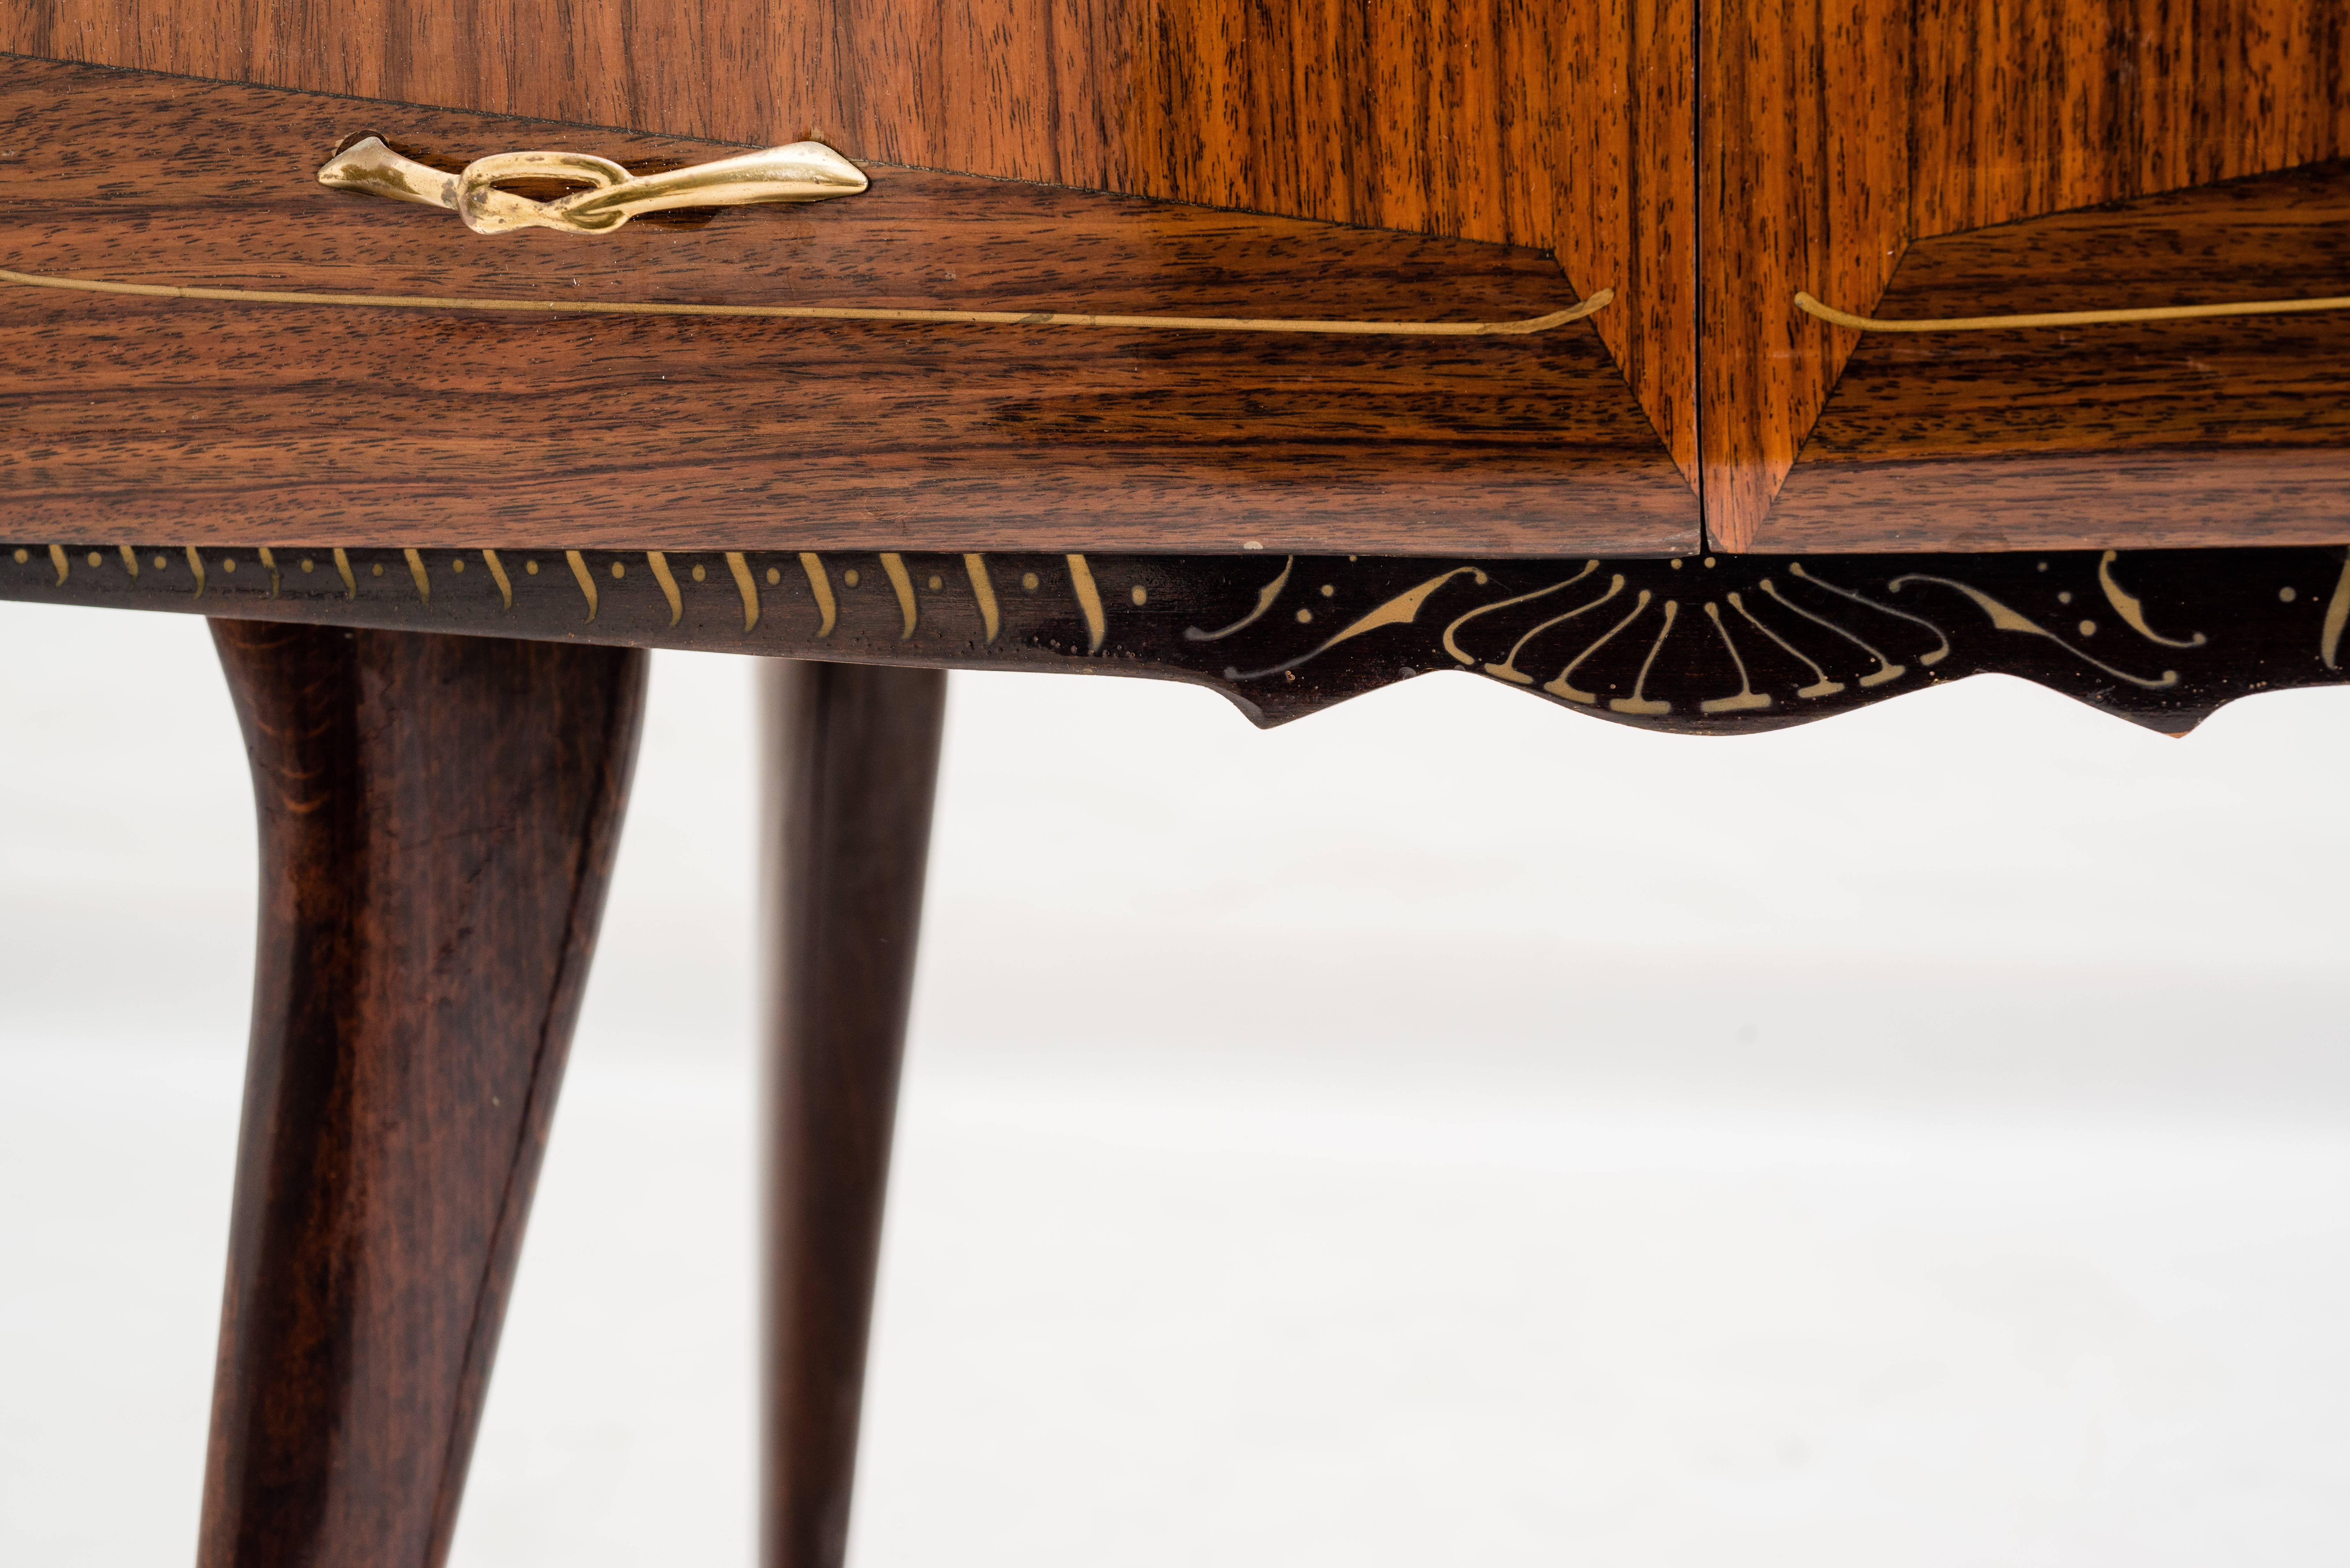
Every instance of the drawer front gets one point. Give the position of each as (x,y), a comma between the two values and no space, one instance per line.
(229,419)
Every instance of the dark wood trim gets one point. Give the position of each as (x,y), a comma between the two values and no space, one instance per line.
(852,766)
(438,821)
(2160,637)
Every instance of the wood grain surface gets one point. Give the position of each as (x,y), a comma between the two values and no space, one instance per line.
(2024,106)
(1767,149)
(438,821)
(852,767)
(1566,125)
(1805,182)
(1835,138)
(2233,431)
(212,421)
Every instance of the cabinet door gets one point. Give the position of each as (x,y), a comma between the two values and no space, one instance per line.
(1929,160)
(1287,158)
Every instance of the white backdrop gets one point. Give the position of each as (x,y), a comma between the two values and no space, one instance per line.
(1445,1129)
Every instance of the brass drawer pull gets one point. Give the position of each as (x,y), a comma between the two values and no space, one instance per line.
(802,171)
(1829,313)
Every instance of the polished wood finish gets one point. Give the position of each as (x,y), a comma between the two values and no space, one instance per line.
(1804,175)
(1832,138)
(1707,160)
(2025,108)
(438,819)
(1566,125)
(216,422)
(853,755)
(2229,430)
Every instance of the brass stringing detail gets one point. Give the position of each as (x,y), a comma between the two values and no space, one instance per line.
(563,306)
(820,583)
(983,593)
(2338,614)
(2007,620)
(2132,613)
(660,564)
(746,586)
(1828,313)
(498,576)
(894,565)
(584,577)
(1081,582)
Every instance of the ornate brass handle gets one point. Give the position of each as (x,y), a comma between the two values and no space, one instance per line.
(802,171)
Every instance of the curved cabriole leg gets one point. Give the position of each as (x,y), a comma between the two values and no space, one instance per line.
(853,754)
(438,821)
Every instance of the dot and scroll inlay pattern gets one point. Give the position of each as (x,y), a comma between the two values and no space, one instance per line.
(1694,643)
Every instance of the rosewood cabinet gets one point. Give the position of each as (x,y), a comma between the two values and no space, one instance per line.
(1694,363)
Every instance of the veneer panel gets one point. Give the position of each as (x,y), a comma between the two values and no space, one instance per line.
(2223,431)
(1563,125)
(1836,135)
(209,421)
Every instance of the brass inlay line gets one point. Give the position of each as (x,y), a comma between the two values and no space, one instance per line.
(58,559)
(1508,669)
(195,564)
(2132,609)
(820,585)
(269,563)
(895,566)
(2337,615)
(1821,685)
(129,561)
(1886,669)
(1081,579)
(1747,696)
(584,577)
(744,585)
(343,569)
(1928,659)
(1451,633)
(1265,598)
(416,571)
(982,589)
(659,563)
(1519,328)
(1402,611)
(498,576)
(2006,619)
(1829,313)
(1559,686)
(1636,702)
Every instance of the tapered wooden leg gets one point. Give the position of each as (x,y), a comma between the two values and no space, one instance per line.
(853,754)
(438,821)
